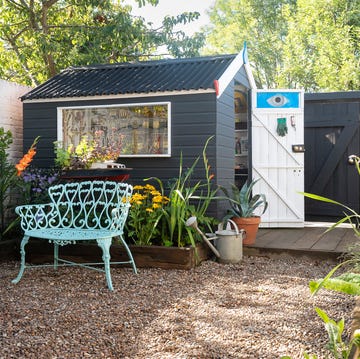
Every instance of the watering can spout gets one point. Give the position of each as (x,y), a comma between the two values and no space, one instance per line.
(192,222)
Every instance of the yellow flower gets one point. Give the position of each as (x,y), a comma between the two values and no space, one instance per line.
(137,196)
(149,187)
(148,210)
(157,199)
(138,187)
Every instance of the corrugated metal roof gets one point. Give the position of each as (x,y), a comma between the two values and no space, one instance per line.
(131,78)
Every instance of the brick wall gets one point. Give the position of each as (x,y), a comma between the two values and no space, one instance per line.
(11,116)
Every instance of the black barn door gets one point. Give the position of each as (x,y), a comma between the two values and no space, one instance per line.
(331,135)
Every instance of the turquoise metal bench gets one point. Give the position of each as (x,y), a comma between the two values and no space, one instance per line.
(79,211)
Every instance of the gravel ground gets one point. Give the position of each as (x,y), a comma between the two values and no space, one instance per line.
(260,308)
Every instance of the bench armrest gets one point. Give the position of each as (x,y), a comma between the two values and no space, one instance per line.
(36,216)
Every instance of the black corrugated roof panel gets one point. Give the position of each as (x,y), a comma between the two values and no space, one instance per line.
(128,78)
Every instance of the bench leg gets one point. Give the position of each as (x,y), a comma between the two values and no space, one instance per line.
(24,241)
(56,255)
(129,254)
(105,244)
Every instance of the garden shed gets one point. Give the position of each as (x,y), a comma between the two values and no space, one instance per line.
(158,111)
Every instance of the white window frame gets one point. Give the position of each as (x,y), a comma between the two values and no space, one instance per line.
(168,154)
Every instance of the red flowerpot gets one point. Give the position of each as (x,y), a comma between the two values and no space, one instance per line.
(250,225)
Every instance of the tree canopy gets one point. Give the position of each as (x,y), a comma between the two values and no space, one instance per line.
(39,38)
(313,44)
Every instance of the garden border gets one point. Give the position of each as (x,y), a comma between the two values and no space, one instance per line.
(39,252)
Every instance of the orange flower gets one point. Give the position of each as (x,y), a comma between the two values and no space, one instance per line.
(27,158)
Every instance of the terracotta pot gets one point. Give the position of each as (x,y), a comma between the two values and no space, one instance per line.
(250,225)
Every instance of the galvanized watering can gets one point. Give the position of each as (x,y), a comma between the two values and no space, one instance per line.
(228,243)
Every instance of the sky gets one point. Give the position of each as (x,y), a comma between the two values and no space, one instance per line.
(174,7)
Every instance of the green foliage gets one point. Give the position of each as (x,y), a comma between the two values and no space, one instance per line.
(7,179)
(321,51)
(350,216)
(40,38)
(348,283)
(293,43)
(62,156)
(146,210)
(242,202)
(261,24)
(336,346)
(35,182)
(74,157)
(186,198)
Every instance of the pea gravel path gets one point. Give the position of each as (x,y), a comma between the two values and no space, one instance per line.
(260,308)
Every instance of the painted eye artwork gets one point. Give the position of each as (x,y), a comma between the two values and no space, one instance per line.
(277,100)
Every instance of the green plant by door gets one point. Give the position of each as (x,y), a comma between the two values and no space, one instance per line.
(243,203)
(348,283)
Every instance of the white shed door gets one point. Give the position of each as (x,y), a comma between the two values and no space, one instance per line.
(278,155)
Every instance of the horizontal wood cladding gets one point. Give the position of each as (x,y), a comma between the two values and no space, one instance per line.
(323,113)
(242,78)
(225,144)
(331,97)
(193,121)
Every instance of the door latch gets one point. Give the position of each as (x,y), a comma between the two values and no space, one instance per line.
(298,148)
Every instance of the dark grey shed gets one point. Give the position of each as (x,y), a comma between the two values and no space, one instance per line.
(201,93)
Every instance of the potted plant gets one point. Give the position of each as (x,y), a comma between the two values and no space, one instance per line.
(245,209)
(86,153)
(90,160)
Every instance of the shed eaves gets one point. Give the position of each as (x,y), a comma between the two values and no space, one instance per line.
(134,78)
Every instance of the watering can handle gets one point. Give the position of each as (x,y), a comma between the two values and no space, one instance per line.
(237,231)
(233,223)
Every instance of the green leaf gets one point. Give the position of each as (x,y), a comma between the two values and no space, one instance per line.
(322,315)
(338,285)
(316,286)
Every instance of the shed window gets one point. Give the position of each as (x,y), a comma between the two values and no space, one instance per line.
(140,130)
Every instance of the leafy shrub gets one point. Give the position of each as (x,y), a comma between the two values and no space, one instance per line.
(146,210)
(9,178)
(159,216)
(36,182)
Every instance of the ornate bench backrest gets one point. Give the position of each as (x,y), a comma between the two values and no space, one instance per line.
(90,205)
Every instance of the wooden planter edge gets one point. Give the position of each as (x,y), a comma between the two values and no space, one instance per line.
(40,251)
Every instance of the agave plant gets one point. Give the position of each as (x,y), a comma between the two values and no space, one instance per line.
(243,203)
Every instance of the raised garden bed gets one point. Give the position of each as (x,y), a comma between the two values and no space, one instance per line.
(38,252)
(7,250)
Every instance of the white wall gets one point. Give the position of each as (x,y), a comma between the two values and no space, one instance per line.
(11,115)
